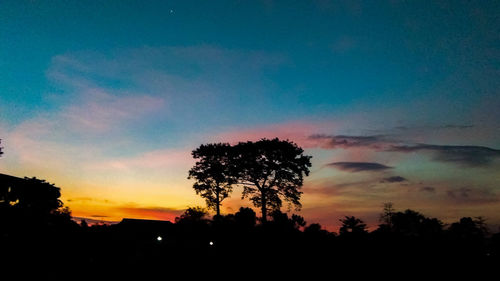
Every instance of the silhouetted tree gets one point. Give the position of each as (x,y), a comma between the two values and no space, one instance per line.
(245,217)
(213,173)
(352,226)
(468,237)
(1,148)
(33,195)
(468,228)
(83,224)
(412,223)
(282,221)
(386,216)
(33,220)
(298,221)
(314,231)
(192,214)
(313,228)
(270,170)
(481,224)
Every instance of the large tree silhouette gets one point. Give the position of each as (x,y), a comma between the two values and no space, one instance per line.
(271,170)
(30,194)
(414,224)
(213,173)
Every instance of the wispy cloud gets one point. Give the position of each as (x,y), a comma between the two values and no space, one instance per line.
(298,132)
(343,141)
(98,111)
(468,155)
(472,195)
(428,189)
(463,155)
(393,179)
(150,161)
(436,128)
(359,166)
(93,220)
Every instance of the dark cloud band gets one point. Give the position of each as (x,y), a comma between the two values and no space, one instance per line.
(359,166)
(465,155)
(393,179)
(342,141)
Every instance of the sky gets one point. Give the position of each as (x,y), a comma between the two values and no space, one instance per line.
(396,101)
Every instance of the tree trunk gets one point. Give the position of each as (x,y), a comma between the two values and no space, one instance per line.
(218,202)
(264,208)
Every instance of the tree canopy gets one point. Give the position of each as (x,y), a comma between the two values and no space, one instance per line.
(35,195)
(192,215)
(213,173)
(271,171)
(352,226)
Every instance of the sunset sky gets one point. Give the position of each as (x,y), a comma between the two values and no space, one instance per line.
(396,101)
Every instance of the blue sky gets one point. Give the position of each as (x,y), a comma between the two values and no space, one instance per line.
(128,80)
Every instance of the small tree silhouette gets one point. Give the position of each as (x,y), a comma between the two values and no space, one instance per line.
(387,214)
(270,170)
(192,215)
(313,228)
(316,234)
(213,173)
(245,217)
(352,226)
(1,148)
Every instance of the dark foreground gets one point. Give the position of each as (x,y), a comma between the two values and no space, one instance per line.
(238,244)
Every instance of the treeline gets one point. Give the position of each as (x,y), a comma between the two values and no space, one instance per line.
(37,229)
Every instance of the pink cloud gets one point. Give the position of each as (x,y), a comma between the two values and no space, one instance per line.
(33,142)
(296,131)
(63,135)
(308,135)
(100,111)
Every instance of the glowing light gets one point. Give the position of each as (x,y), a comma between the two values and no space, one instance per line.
(211,243)
(159,238)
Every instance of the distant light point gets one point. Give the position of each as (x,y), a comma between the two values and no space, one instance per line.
(211,243)
(159,238)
